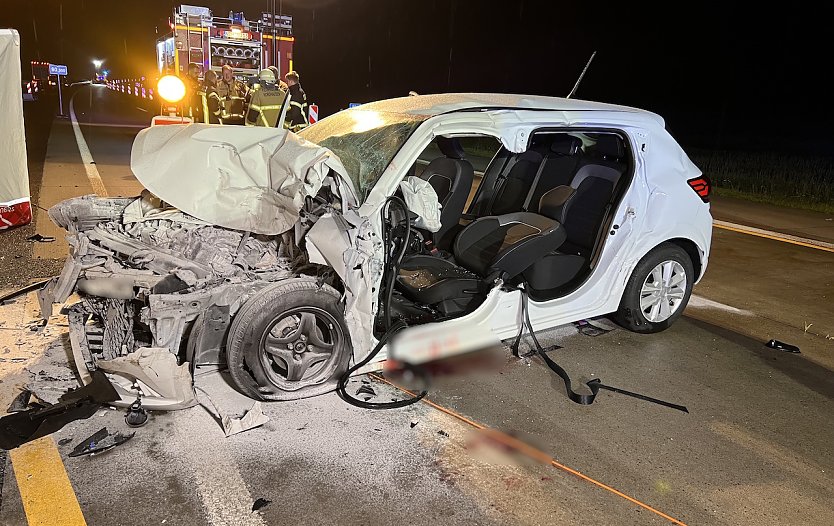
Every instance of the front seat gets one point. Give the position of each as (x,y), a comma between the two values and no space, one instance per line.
(486,249)
(451,177)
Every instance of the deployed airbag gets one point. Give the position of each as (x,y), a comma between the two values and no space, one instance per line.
(421,198)
(252,179)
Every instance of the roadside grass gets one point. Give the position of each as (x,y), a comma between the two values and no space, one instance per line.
(793,181)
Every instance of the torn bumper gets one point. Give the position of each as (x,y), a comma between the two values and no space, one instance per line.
(154,296)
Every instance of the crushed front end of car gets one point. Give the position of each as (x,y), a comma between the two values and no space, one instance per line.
(153,282)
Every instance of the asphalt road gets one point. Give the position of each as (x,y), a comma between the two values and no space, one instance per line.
(757,446)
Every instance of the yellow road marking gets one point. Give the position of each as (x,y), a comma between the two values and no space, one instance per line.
(45,489)
(775,236)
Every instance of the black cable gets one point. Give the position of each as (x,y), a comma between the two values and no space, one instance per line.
(390,330)
(393,270)
(594,385)
(341,387)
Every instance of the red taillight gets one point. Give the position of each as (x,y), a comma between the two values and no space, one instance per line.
(702,187)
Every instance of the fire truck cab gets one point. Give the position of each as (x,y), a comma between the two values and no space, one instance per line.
(198,37)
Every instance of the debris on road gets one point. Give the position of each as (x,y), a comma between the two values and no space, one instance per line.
(414,424)
(11,296)
(51,377)
(782,346)
(136,415)
(37,238)
(366,390)
(64,441)
(101,440)
(594,327)
(253,418)
(260,503)
(25,426)
(20,402)
(443,433)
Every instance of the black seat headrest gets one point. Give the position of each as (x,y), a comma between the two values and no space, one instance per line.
(450,147)
(609,147)
(565,145)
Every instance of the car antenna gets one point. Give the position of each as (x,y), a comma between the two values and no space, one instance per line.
(581,75)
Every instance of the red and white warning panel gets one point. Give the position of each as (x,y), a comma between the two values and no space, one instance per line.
(15,209)
(159,120)
(314,113)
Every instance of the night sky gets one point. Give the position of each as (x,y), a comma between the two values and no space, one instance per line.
(723,76)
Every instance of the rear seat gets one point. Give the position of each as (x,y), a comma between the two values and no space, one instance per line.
(558,169)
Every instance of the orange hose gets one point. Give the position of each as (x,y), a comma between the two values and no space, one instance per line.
(531,451)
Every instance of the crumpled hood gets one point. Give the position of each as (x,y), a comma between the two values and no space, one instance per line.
(252,179)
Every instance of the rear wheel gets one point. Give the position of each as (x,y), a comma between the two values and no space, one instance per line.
(658,290)
(289,341)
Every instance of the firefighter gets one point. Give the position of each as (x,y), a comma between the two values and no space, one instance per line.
(297,114)
(192,90)
(209,99)
(265,100)
(232,93)
(281,84)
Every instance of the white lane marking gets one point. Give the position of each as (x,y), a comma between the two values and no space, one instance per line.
(778,236)
(141,109)
(699,302)
(86,156)
(110,125)
(198,443)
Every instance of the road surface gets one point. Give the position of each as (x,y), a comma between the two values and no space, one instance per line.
(497,447)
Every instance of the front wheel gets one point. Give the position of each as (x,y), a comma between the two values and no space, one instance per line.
(289,341)
(657,291)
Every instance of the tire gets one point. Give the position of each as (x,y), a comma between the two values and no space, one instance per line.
(652,316)
(289,341)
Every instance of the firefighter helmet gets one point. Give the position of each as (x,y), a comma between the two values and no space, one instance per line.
(266,75)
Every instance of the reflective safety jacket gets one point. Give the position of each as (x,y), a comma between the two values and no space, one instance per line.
(265,102)
(192,99)
(233,100)
(210,104)
(297,114)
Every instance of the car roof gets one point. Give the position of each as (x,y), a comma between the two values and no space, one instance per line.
(431,105)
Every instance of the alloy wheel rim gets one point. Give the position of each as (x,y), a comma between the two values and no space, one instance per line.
(663,291)
(300,348)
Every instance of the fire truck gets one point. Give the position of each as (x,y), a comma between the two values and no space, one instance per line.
(198,37)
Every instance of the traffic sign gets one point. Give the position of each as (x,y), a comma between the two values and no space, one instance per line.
(57,69)
(314,113)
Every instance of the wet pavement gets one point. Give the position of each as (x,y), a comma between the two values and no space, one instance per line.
(755,447)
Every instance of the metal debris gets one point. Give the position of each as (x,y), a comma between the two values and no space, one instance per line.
(101,440)
(37,238)
(782,346)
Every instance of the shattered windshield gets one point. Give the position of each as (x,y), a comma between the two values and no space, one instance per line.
(364,140)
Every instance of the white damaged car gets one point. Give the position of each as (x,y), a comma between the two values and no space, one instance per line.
(288,257)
